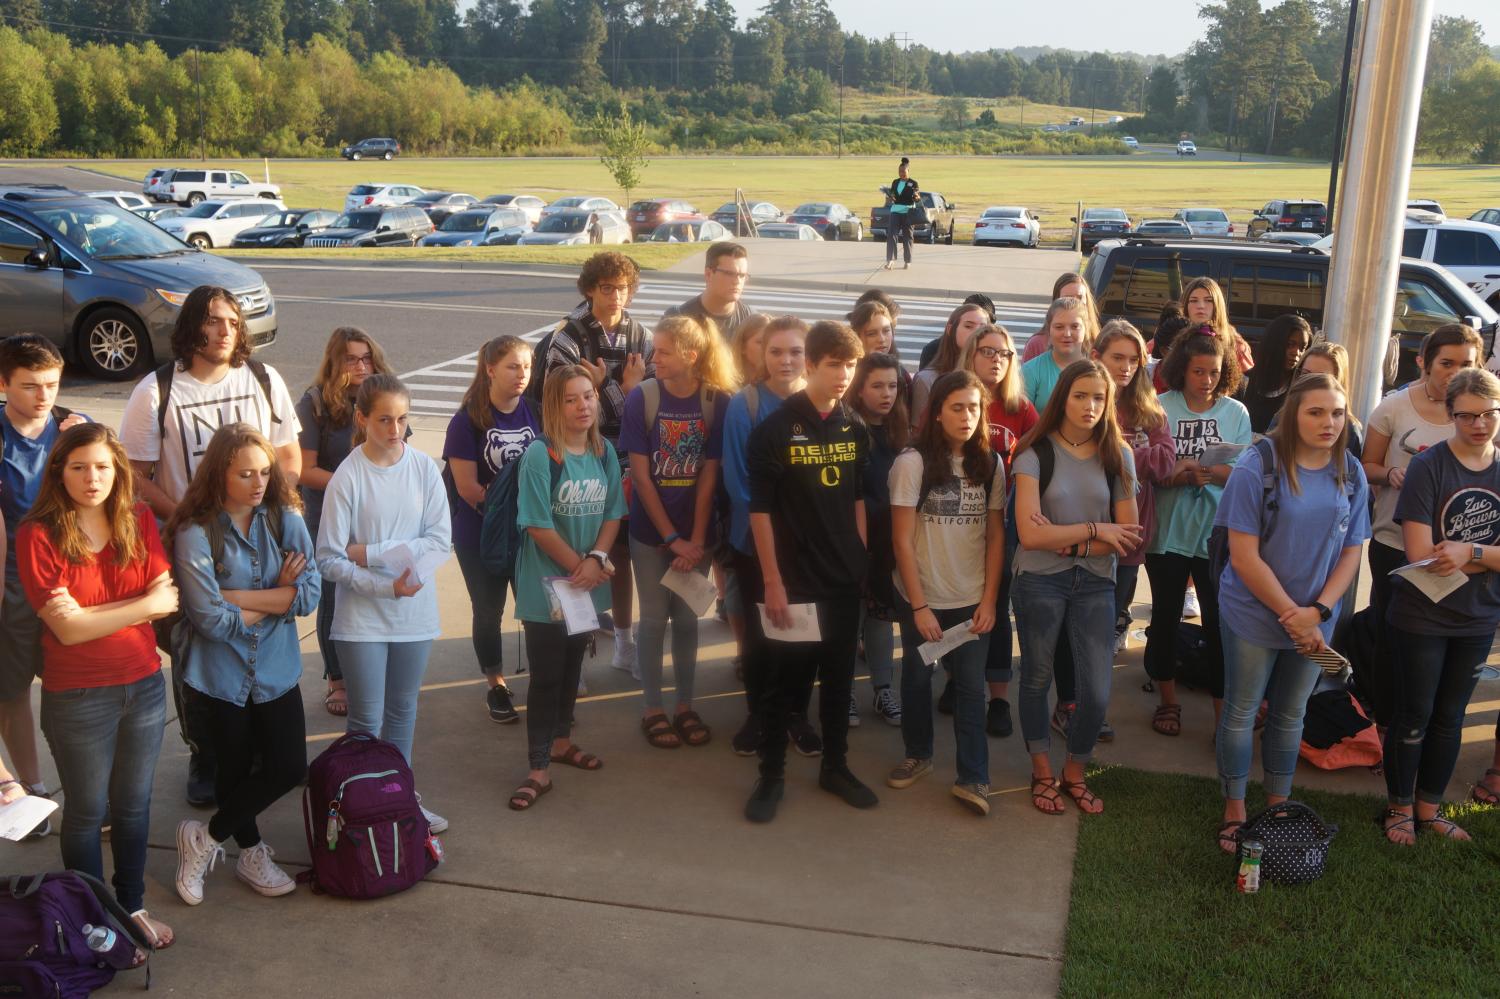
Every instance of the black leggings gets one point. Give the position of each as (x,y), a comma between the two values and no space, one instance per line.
(1169,576)
(556,660)
(791,667)
(276,733)
(1376,678)
(487,603)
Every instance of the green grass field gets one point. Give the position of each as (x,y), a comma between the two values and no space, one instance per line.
(926,110)
(648,256)
(1144,185)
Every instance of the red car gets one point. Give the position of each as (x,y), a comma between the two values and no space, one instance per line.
(645,216)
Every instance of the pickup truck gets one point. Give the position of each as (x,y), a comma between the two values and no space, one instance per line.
(939,213)
(189,187)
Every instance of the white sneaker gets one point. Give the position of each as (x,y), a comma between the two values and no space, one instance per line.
(435,823)
(853,712)
(1190,606)
(583,686)
(624,658)
(259,871)
(196,855)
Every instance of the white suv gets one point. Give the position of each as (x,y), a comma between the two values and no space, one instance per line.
(1471,250)
(216,223)
(1187,147)
(380,195)
(189,187)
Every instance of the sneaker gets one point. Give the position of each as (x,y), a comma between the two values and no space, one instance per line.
(502,708)
(200,782)
(259,871)
(974,797)
(805,738)
(43,828)
(747,740)
(1190,606)
(1106,734)
(997,718)
(853,712)
(435,823)
(1062,717)
(840,781)
(947,698)
(1120,640)
(886,706)
(583,686)
(196,855)
(763,800)
(908,772)
(624,658)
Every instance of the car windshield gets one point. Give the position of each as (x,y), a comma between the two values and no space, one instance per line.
(281,219)
(465,222)
(108,232)
(644,206)
(727,208)
(1205,215)
(357,220)
(499,199)
(563,223)
(431,198)
(1106,215)
(205,210)
(567,202)
(363,189)
(1304,208)
(813,208)
(1003,213)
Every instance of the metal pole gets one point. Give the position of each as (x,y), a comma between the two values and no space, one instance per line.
(1367,258)
(1338,129)
(841,110)
(198,77)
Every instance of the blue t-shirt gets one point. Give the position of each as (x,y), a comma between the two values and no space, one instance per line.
(737,427)
(676,448)
(502,443)
(587,494)
(1185,514)
(1039,375)
(21,467)
(1311,532)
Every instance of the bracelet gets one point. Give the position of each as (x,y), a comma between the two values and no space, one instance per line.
(674,536)
(1093,530)
(1388,470)
(1088,546)
(921,608)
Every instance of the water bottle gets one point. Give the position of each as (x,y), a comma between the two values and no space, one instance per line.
(100,938)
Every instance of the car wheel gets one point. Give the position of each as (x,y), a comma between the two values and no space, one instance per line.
(950,236)
(831,233)
(199,241)
(356,156)
(387,155)
(195,199)
(112,344)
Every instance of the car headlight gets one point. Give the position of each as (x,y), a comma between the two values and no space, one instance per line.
(268,239)
(173,298)
(464,242)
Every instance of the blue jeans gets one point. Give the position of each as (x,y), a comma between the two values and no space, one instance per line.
(1286,679)
(384,679)
(105,741)
(1434,679)
(1083,604)
(331,669)
(880,648)
(657,605)
(966,665)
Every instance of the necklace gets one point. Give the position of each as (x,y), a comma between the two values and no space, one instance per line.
(1429,394)
(1072,443)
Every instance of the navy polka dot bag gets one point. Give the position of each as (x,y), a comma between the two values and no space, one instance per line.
(1296,841)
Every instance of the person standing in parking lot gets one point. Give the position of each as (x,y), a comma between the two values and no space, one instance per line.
(903,197)
(726,270)
(173,412)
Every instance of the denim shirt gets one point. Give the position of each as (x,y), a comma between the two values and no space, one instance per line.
(226,658)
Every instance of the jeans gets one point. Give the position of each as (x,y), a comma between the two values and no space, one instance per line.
(384,679)
(105,741)
(997,663)
(897,229)
(880,648)
(757,648)
(1286,679)
(1433,684)
(966,665)
(1169,577)
(791,667)
(1082,604)
(556,660)
(275,734)
(331,670)
(1377,677)
(657,604)
(487,604)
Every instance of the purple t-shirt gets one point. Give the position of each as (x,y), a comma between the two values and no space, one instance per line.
(676,447)
(503,442)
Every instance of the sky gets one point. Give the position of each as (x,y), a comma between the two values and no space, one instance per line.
(1085,25)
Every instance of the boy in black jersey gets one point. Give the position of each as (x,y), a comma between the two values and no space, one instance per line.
(807,516)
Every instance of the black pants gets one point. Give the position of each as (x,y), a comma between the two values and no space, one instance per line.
(897,229)
(791,667)
(1169,576)
(1376,678)
(1432,685)
(194,718)
(487,604)
(555,659)
(753,662)
(275,734)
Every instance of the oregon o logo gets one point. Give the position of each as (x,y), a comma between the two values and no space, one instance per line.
(829,475)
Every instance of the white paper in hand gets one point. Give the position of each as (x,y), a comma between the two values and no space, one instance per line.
(23,815)
(1220,454)
(1433,586)
(401,558)
(571,605)
(955,636)
(804,624)
(693,587)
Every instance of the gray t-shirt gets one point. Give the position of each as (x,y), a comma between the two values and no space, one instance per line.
(950,536)
(1080,491)
(333,445)
(727,324)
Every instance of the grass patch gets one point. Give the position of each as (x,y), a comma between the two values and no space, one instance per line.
(648,256)
(926,110)
(1154,910)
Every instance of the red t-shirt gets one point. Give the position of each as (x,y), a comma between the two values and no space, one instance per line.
(124,657)
(1007,429)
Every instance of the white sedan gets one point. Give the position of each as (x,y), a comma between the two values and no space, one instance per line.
(571,228)
(1206,221)
(1007,224)
(787,230)
(580,202)
(216,223)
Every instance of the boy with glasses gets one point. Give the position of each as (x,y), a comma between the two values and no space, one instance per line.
(726,271)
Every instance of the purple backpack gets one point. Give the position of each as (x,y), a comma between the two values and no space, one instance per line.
(365,832)
(43,948)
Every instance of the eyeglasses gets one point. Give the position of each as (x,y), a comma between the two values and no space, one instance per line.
(732,274)
(993,352)
(359,361)
(613,289)
(1469,419)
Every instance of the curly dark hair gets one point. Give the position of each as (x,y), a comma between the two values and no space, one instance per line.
(187,336)
(1202,342)
(610,264)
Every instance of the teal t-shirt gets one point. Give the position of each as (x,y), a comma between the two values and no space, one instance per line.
(588,493)
(1185,514)
(1040,375)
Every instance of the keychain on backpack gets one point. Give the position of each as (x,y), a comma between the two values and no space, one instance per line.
(335,822)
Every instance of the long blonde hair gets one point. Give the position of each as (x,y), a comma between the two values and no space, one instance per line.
(553,417)
(332,380)
(1284,434)
(207,493)
(56,513)
(756,324)
(1137,401)
(1009,392)
(713,363)
(477,396)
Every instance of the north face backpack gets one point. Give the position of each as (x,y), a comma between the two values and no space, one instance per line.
(365,830)
(43,948)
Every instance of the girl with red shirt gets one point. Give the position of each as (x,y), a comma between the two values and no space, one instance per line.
(94,569)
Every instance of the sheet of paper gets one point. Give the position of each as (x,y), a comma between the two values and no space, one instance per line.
(694,587)
(804,624)
(1433,586)
(955,636)
(23,815)
(400,558)
(573,606)
(1220,454)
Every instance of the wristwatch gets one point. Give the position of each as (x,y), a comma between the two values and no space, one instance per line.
(1478,554)
(602,558)
(1323,612)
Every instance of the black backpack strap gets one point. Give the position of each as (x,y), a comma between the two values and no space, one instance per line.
(163,395)
(1046,460)
(263,377)
(1268,501)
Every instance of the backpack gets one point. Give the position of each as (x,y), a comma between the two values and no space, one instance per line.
(365,831)
(1046,459)
(1337,734)
(585,346)
(43,948)
(707,396)
(165,373)
(59,413)
(500,530)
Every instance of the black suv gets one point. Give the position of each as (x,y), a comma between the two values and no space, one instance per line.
(1290,215)
(398,225)
(384,149)
(1132,279)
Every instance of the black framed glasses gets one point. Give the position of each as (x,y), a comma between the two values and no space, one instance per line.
(993,352)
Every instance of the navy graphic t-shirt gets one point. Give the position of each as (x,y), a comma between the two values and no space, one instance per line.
(1461,505)
(503,442)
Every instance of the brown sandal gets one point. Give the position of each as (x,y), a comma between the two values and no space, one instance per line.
(336,702)
(1481,794)
(1168,719)
(659,732)
(1082,796)
(1229,835)
(691,728)
(520,800)
(575,757)
(1045,789)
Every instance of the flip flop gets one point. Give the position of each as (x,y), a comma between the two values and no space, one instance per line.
(336,702)
(1482,795)
(143,921)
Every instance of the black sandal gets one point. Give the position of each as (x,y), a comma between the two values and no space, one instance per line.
(1446,830)
(1081,795)
(1229,833)
(1482,795)
(1045,789)
(1402,819)
(691,728)
(575,757)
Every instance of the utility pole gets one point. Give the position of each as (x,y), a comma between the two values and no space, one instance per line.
(903,39)
(198,78)
(841,109)
(1338,129)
